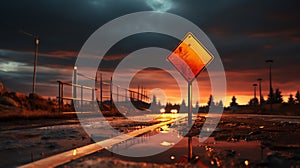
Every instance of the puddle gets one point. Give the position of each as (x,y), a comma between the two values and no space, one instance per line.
(156,145)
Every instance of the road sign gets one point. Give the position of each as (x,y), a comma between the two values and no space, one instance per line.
(190,57)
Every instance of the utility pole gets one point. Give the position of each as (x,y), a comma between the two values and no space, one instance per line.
(271,88)
(36,41)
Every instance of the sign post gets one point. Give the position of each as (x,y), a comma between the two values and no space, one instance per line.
(190,114)
(190,57)
(190,121)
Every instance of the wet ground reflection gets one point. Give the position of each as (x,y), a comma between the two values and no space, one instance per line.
(239,140)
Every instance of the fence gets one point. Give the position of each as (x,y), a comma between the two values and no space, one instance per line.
(105,92)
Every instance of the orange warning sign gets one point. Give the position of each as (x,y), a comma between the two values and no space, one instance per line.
(190,57)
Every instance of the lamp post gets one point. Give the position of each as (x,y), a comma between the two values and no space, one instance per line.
(271,88)
(36,41)
(254,85)
(259,88)
(35,62)
(75,85)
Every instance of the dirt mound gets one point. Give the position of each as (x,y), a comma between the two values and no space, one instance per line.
(4,100)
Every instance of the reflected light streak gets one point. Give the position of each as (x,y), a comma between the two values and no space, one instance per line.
(165,143)
(74,152)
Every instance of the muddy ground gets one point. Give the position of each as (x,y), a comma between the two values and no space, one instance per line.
(238,141)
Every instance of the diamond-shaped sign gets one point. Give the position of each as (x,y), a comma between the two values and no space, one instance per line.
(190,57)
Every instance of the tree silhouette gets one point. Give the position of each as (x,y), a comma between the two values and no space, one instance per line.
(197,105)
(253,101)
(211,101)
(271,97)
(196,109)
(183,104)
(220,104)
(159,104)
(297,96)
(278,96)
(291,99)
(154,100)
(233,102)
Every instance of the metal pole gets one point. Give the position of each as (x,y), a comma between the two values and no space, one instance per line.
(96,85)
(142,90)
(101,96)
(81,96)
(117,93)
(36,40)
(190,104)
(74,86)
(145,97)
(138,94)
(93,94)
(59,96)
(271,88)
(190,148)
(62,96)
(35,63)
(259,87)
(93,98)
(254,85)
(111,90)
(270,74)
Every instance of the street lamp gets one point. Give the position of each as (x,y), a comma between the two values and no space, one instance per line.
(270,77)
(36,41)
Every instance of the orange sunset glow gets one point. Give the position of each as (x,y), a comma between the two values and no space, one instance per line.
(152,79)
(149,83)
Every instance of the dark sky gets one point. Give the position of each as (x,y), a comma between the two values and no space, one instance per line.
(245,33)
